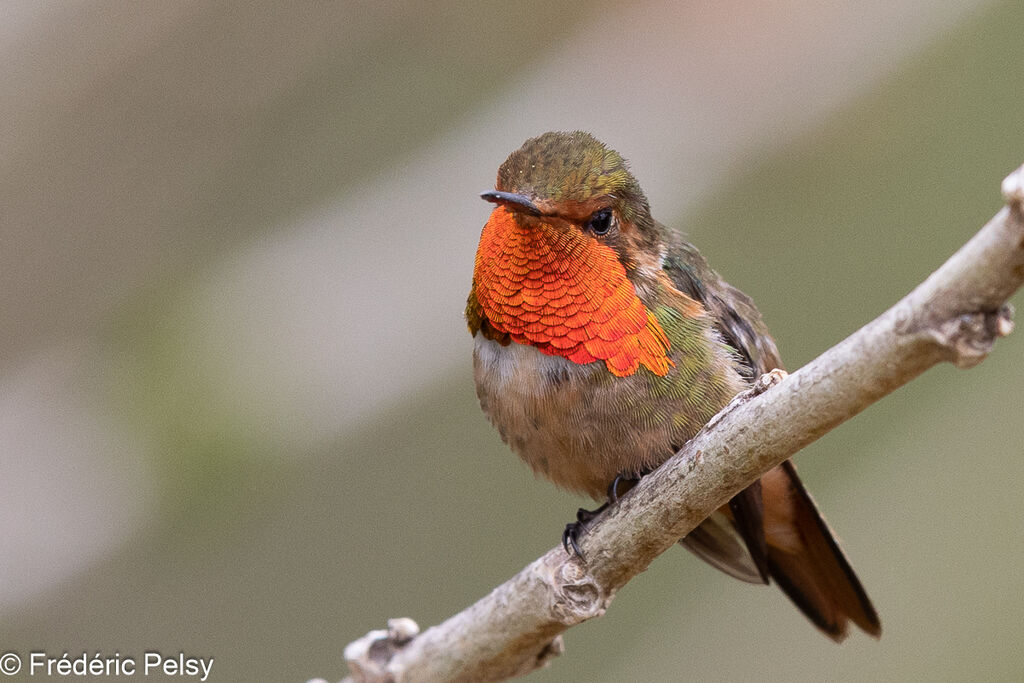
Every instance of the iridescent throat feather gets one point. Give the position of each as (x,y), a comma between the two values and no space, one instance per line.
(565,294)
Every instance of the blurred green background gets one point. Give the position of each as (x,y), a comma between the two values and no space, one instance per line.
(236,410)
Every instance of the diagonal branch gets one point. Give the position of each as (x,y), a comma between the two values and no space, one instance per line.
(955,315)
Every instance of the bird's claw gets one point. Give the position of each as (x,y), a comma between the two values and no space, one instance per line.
(573,530)
(613,488)
(569,536)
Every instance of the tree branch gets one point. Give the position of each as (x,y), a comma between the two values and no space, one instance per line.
(955,315)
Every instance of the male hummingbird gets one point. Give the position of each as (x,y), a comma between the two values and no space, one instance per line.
(603,342)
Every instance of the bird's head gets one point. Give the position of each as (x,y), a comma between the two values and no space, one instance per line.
(566,255)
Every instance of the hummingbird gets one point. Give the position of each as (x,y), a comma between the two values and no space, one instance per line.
(603,342)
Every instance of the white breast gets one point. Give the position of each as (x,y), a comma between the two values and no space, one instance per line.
(519,367)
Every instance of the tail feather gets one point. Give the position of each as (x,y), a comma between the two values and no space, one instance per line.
(797,549)
(806,561)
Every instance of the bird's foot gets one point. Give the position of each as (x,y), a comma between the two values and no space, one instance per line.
(623,483)
(573,530)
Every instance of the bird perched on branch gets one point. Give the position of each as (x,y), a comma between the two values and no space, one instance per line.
(603,342)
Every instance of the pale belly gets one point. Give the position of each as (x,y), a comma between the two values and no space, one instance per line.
(579,425)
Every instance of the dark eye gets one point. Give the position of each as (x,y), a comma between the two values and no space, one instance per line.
(600,223)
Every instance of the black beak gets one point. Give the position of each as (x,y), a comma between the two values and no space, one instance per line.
(512,201)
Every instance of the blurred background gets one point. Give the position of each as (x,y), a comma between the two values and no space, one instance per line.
(237,417)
